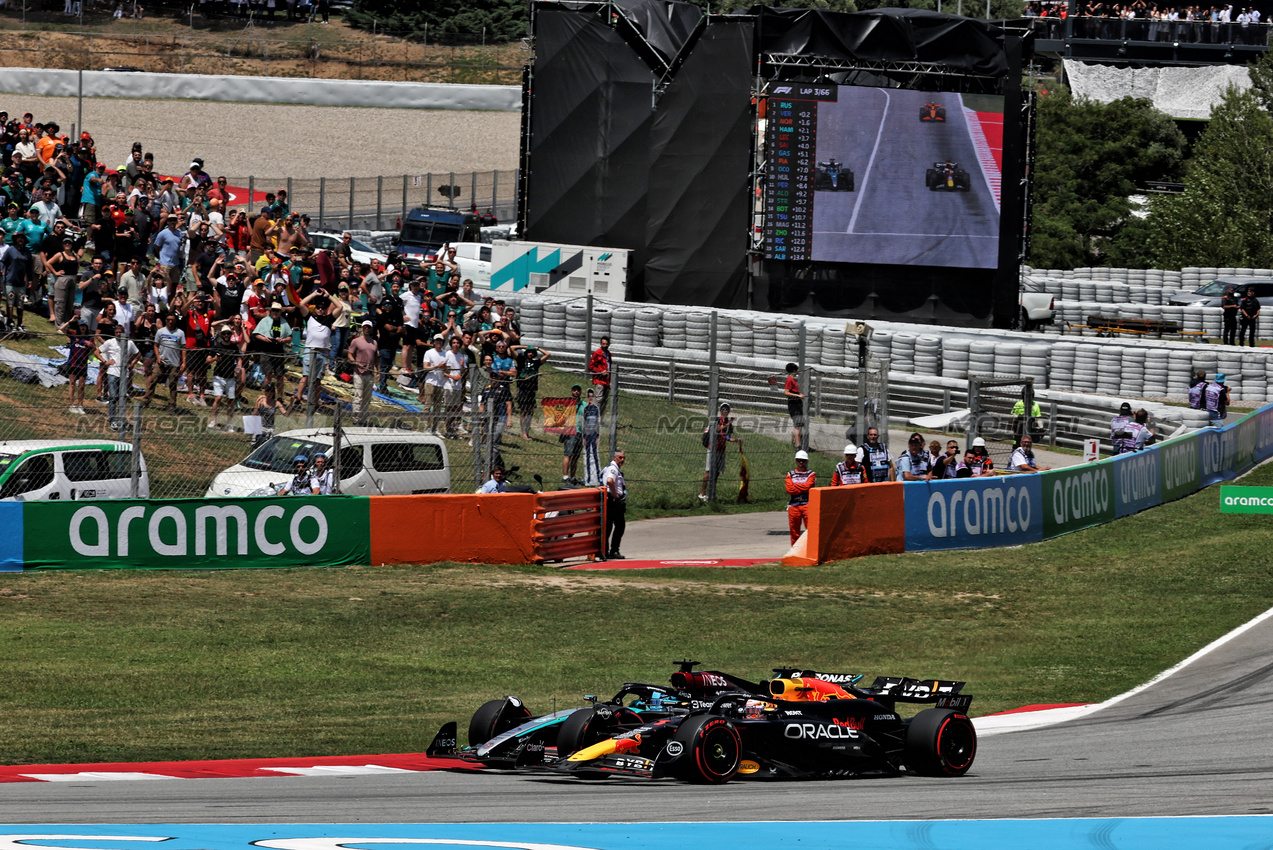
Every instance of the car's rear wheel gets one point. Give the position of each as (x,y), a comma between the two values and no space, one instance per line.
(714,747)
(940,742)
(494,718)
(1026,324)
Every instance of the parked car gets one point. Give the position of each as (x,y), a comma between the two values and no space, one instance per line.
(373,462)
(69,469)
(359,252)
(1210,294)
(474,259)
(1038,306)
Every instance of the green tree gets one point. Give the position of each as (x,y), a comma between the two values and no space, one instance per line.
(1090,158)
(456,21)
(1225,215)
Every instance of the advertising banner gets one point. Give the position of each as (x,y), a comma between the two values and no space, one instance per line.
(1137,481)
(1246,500)
(288,532)
(1216,450)
(10,536)
(1077,497)
(1178,461)
(1264,434)
(973,513)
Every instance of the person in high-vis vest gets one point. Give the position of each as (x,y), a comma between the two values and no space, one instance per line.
(799,482)
(851,470)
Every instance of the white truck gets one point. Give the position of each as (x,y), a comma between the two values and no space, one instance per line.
(560,269)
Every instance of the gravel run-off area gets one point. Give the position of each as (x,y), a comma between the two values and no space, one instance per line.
(266,140)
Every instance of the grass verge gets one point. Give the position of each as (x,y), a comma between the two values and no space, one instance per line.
(119,666)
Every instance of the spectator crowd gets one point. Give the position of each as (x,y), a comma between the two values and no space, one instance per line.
(1143,21)
(208,297)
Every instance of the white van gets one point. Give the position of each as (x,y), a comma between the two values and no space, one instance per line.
(474,260)
(68,469)
(373,462)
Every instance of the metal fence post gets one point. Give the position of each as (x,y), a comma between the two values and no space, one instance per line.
(336,435)
(806,381)
(322,202)
(475,427)
(614,409)
(428,189)
(251,187)
(404,197)
(351,204)
(380,201)
(315,380)
(587,327)
(451,192)
(494,190)
(291,199)
(671,382)
(473,189)
(974,412)
(713,401)
(135,486)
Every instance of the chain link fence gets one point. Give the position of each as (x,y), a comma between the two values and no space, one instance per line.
(382,203)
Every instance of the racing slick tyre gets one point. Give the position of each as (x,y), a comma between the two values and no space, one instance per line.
(940,742)
(847,177)
(930,178)
(496,717)
(714,748)
(941,114)
(589,726)
(822,181)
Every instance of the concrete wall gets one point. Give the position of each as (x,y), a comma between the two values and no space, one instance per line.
(391,95)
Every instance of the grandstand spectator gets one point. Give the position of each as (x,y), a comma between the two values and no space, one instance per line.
(363,352)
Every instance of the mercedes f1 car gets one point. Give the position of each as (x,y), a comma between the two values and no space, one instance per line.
(805,728)
(932,112)
(503,733)
(832,176)
(947,177)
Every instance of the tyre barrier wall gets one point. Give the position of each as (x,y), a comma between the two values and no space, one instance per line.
(318,531)
(1009,510)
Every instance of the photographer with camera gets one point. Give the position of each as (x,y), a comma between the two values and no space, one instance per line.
(320,313)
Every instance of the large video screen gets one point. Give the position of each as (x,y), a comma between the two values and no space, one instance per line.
(884,176)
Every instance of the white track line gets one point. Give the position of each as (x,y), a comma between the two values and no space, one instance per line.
(866,175)
(1038,719)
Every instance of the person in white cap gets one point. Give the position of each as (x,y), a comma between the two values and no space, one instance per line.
(851,471)
(799,482)
(978,459)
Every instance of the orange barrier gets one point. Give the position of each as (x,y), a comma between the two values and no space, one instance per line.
(488,529)
(848,522)
(577,531)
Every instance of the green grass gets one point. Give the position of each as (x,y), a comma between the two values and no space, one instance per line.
(103,666)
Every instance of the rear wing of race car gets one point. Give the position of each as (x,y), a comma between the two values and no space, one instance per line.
(942,693)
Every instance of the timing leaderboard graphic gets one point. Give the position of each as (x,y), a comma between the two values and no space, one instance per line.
(871,175)
(791,138)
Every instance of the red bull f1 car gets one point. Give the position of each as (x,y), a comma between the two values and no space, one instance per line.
(932,112)
(503,733)
(947,177)
(804,728)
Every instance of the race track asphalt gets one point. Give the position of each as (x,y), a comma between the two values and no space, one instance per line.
(1193,743)
(892,217)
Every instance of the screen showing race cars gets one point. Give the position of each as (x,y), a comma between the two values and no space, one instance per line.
(887,176)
